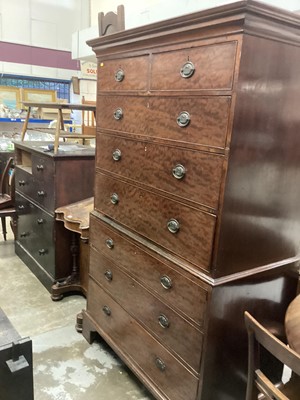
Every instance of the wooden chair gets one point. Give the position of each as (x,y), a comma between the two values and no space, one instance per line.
(7,196)
(258,384)
(111,22)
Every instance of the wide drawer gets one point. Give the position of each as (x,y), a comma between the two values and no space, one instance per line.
(35,233)
(183,230)
(192,120)
(38,189)
(208,67)
(167,326)
(177,290)
(146,354)
(123,74)
(190,174)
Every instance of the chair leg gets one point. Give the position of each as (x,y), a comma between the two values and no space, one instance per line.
(3,227)
(13,225)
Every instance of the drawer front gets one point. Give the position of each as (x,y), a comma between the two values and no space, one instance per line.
(35,233)
(207,67)
(43,194)
(146,353)
(123,74)
(165,324)
(174,288)
(38,189)
(43,169)
(198,120)
(193,175)
(24,181)
(182,230)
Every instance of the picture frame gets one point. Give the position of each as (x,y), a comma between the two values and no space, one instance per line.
(10,96)
(39,95)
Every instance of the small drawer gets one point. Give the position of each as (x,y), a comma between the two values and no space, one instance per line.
(123,74)
(24,182)
(189,120)
(183,230)
(43,169)
(209,67)
(167,326)
(147,355)
(193,175)
(180,292)
(43,194)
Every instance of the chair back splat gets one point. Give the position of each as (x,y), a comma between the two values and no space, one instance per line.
(7,196)
(258,383)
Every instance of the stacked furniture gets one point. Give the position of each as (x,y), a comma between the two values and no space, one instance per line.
(45,181)
(196,214)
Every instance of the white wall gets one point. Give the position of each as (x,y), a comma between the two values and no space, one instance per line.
(147,11)
(44,23)
(41,23)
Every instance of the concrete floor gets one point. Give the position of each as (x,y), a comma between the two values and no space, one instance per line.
(65,366)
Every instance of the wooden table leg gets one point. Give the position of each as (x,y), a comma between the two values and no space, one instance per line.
(25,125)
(72,282)
(57,131)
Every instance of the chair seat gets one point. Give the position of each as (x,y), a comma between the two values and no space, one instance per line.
(5,201)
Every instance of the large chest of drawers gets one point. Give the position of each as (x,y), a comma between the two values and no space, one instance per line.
(44,182)
(196,212)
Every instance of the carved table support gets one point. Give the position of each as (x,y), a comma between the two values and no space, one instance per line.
(76,219)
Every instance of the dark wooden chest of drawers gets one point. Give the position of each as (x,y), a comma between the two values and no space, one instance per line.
(196,212)
(44,182)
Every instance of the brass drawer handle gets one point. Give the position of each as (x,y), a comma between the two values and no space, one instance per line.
(40,167)
(41,193)
(187,70)
(179,171)
(173,225)
(118,114)
(108,275)
(106,310)
(42,252)
(166,282)
(183,119)
(40,221)
(163,321)
(119,75)
(160,364)
(117,155)
(109,243)
(114,198)
(22,183)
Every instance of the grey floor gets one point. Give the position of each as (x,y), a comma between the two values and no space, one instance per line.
(65,366)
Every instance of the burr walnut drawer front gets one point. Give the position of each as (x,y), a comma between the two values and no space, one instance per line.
(183,293)
(127,336)
(207,67)
(183,230)
(123,74)
(190,174)
(163,322)
(193,120)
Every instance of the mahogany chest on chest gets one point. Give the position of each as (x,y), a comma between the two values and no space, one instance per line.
(196,211)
